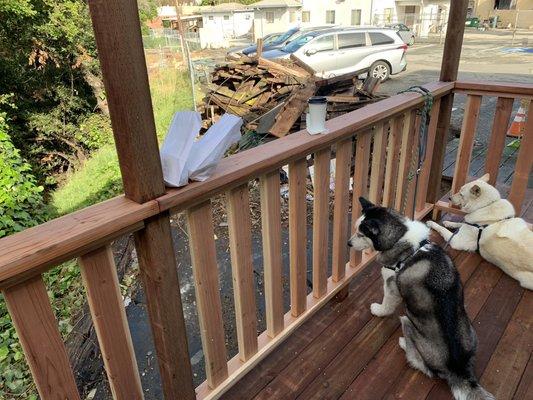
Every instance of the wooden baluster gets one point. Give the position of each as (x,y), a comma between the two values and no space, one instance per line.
(423,179)
(413,166)
(360,184)
(377,173)
(393,158)
(504,108)
(271,231)
(405,159)
(321,221)
(524,163)
(36,326)
(298,235)
(240,236)
(205,270)
(109,317)
(340,217)
(466,142)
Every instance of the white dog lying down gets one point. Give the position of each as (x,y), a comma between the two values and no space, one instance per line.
(491,228)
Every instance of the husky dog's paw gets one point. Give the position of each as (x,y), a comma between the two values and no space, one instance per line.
(432,224)
(449,224)
(378,310)
(401,342)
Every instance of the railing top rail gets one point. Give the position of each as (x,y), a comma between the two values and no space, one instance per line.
(32,251)
(495,88)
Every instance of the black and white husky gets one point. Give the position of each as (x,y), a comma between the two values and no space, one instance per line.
(438,338)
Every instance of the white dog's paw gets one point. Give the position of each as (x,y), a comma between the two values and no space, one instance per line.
(432,224)
(401,342)
(378,310)
(449,224)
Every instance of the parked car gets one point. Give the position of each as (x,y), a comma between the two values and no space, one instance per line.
(407,35)
(275,40)
(339,51)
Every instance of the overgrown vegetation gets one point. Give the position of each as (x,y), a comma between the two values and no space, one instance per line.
(55,143)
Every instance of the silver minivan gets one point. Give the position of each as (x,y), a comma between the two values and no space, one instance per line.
(343,50)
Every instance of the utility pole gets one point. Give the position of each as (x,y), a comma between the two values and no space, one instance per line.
(185,51)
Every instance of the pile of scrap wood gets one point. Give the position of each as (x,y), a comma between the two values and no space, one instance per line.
(271,97)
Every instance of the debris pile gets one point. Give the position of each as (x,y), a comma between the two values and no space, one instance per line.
(271,97)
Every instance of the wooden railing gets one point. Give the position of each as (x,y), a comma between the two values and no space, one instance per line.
(378,141)
(506,95)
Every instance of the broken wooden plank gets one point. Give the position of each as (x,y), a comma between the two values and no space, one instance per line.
(293,109)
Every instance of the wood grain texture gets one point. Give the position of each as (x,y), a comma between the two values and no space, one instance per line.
(519,89)
(321,221)
(120,49)
(298,235)
(247,165)
(524,163)
(45,353)
(109,317)
(272,261)
(454,41)
(504,370)
(206,284)
(413,166)
(340,213)
(29,252)
(466,142)
(504,108)
(377,172)
(408,137)
(439,150)
(360,184)
(393,159)
(240,237)
(159,276)
(423,179)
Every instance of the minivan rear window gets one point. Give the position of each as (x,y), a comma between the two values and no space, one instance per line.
(380,38)
(350,40)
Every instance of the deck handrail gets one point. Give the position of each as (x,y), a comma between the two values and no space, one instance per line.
(379,141)
(32,251)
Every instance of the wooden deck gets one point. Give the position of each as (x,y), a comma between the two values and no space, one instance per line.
(343,352)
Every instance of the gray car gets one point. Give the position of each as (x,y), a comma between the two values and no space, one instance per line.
(340,51)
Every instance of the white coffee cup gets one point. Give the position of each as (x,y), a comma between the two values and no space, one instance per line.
(316,118)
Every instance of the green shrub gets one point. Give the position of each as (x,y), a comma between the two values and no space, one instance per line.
(21,202)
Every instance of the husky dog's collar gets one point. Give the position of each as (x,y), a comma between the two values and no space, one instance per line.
(400,264)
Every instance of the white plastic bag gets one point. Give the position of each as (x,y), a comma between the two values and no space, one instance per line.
(176,148)
(210,148)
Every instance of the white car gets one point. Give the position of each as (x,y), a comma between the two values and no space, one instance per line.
(343,50)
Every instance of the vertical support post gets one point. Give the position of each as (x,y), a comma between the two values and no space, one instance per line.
(449,68)
(118,38)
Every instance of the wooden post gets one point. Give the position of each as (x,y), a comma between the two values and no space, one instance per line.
(449,68)
(120,49)
(259,50)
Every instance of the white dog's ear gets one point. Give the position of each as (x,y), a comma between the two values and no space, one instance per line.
(485,178)
(475,190)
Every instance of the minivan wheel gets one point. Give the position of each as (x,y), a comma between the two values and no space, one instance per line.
(381,70)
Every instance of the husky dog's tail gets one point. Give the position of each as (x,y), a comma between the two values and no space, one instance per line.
(468,389)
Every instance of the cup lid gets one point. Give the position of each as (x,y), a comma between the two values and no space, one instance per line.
(317,100)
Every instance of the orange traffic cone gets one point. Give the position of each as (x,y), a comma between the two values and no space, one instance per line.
(518,125)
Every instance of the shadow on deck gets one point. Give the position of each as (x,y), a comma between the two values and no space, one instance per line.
(343,352)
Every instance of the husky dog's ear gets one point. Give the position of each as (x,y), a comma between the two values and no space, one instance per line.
(475,190)
(365,203)
(485,178)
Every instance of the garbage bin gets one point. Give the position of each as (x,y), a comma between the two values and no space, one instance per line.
(472,22)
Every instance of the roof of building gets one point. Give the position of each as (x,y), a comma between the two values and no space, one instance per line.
(276,4)
(224,7)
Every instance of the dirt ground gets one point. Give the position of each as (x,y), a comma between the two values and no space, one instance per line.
(486,56)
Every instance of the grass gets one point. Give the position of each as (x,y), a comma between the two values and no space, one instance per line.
(99,178)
